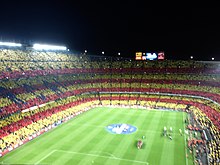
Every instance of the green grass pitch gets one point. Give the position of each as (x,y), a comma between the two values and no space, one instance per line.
(84,140)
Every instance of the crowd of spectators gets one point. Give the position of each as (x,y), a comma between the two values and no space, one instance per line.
(38,89)
(213,139)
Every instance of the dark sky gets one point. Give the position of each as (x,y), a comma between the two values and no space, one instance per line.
(124,27)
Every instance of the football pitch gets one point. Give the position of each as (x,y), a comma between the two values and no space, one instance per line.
(86,140)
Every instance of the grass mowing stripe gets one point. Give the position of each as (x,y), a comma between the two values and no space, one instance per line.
(177,142)
(179,146)
(86,135)
(126,141)
(62,135)
(102,141)
(102,156)
(30,147)
(73,144)
(34,144)
(49,143)
(169,145)
(52,142)
(45,156)
(184,139)
(144,122)
(163,153)
(153,124)
(148,122)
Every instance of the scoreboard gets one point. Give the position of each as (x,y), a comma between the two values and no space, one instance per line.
(150,56)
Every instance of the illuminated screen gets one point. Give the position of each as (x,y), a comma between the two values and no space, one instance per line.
(150,56)
(138,56)
(161,56)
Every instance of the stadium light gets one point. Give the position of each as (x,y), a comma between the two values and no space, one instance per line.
(48,47)
(10,44)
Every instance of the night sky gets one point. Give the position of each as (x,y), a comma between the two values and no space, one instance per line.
(112,27)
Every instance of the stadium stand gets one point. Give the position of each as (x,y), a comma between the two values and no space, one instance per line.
(39,90)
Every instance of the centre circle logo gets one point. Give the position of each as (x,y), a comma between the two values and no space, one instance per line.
(121,128)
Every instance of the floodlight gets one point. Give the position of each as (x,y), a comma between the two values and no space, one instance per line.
(10,44)
(48,47)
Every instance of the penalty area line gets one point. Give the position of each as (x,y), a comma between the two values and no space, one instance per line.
(107,153)
(109,157)
(45,156)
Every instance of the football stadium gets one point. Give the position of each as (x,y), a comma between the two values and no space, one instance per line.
(60,107)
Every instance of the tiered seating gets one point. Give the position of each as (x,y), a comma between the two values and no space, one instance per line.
(213,144)
(38,89)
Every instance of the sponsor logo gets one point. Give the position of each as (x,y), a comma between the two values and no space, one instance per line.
(121,128)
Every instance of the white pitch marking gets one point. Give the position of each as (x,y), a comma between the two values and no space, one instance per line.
(109,157)
(107,153)
(46,156)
